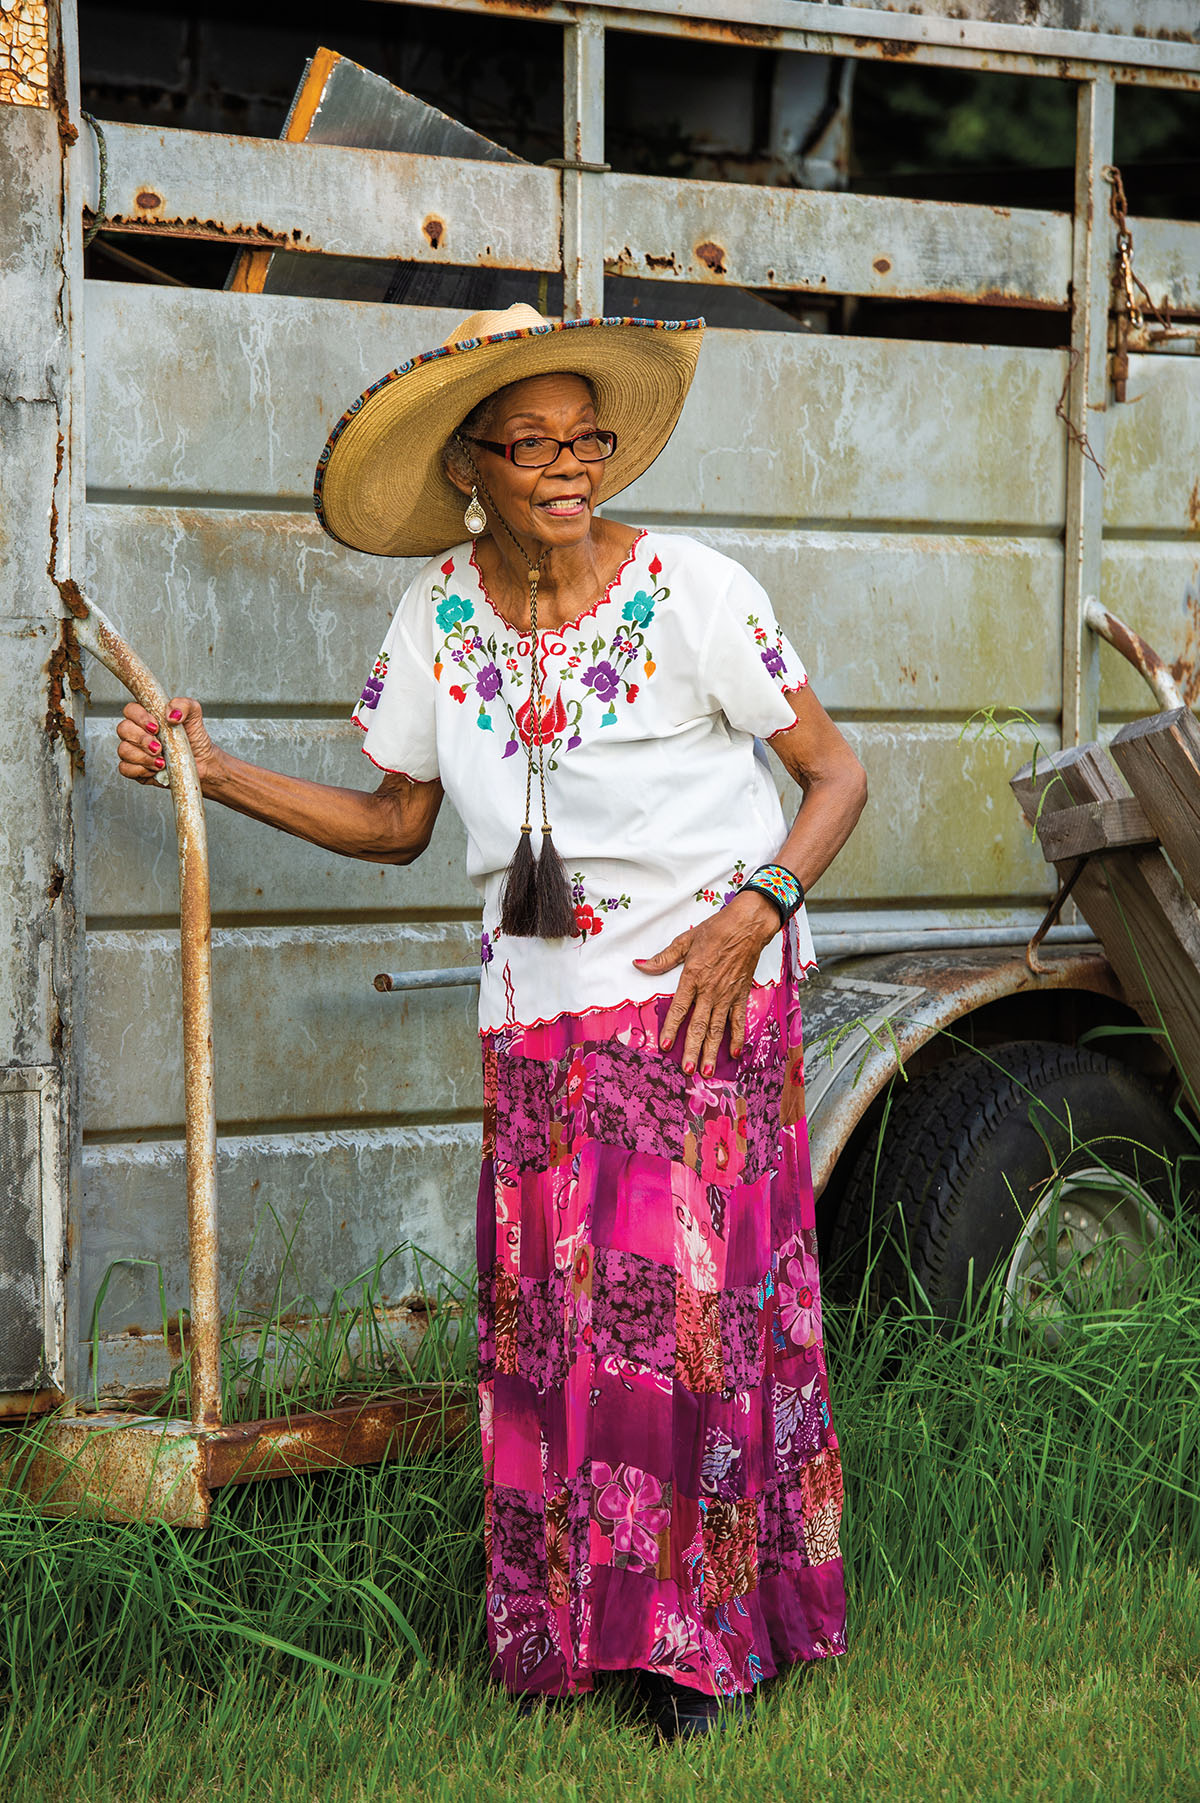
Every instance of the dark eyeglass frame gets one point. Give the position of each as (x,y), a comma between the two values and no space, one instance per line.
(563,444)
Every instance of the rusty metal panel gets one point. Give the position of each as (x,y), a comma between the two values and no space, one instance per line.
(929,617)
(926,780)
(841,430)
(203,394)
(323,1204)
(177,579)
(909,623)
(1149,486)
(833,243)
(129,863)
(193,393)
(1155,589)
(376,204)
(1166,255)
(302,1035)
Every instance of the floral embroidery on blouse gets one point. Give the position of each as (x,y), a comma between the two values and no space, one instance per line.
(587,914)
(716,898)
(494,670)
(771,654)
(374,688)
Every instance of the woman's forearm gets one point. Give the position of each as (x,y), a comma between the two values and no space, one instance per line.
(377,827)
(830,811)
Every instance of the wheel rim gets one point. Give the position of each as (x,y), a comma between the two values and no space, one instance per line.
(1086,1241)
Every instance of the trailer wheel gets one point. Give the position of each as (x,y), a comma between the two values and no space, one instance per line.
(1044,1163)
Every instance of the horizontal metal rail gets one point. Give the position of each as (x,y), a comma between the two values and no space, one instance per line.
(389,205)
(828,946)
(1155,57)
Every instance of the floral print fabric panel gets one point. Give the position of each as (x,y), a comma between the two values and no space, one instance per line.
(663,1477)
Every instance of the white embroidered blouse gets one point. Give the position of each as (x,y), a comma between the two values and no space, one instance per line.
(653,705)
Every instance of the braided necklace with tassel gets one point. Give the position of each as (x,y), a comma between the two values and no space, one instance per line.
(536,901)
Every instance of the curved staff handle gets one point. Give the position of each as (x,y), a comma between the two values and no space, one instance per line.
(96,633)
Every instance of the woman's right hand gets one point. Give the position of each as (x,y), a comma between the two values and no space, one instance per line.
(139,740)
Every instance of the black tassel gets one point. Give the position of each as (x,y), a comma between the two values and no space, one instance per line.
(519,906)
(555,909)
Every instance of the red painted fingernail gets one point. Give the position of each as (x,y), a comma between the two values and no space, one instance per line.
(154,745)
(688,1068)
(152,725)
(708,1070)
(159,764)
(175,714)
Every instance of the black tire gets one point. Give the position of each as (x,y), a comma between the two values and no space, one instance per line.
(968,1148)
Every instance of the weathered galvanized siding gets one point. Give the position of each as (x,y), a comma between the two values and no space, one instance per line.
(904,505)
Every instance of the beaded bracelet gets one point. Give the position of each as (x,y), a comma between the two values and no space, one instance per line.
(779,886)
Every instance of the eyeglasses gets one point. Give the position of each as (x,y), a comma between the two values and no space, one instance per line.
(537,453)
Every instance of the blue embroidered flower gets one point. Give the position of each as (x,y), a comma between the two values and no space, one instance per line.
(487,683)
(603,679)
(774,661)
(453,610)
(641,608)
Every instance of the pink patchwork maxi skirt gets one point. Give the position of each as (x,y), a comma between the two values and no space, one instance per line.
(663,1483)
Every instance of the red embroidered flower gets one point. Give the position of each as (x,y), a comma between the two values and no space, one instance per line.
(554,718)
(655,566)
(587,920)
(631,693)
(448,567)
(458,692)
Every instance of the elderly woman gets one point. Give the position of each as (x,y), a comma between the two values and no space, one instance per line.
(663,1487)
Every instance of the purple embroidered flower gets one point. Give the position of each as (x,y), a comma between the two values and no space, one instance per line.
(774,661)
(509,749)
(486,953)
(603,679)
(487,683)
(573,741)
(372,692)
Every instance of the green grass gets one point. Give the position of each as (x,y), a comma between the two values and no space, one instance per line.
(1023,1548)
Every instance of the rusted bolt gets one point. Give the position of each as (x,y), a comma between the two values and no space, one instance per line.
(434,229)
(712,256)
(882,265)
(148,198)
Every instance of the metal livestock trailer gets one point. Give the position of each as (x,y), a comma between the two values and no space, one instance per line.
(932,519)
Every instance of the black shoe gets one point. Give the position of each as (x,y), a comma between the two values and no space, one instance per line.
(680,1713)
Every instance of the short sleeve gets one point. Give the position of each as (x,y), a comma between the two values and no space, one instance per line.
(748,666)
(396,710)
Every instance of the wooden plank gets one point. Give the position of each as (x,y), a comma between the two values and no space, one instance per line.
(383,205)
(194,393)
(1149,928)
(1094,826)
(1160,760)
(176,581)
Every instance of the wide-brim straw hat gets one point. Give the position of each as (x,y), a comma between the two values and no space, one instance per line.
(380,485)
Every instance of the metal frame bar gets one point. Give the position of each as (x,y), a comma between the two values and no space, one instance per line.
(1087,401)
(826,30)
(583,161)
(97,634)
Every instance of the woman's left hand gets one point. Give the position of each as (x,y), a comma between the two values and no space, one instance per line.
(719,960)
